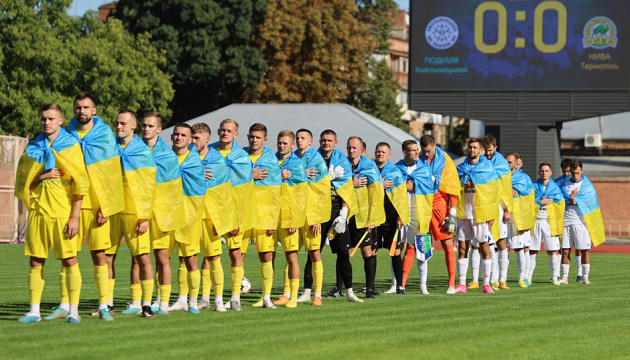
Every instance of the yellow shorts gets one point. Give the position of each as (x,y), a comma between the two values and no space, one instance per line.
(289,242)
(42,232)
(235,242)
(124,226)
(159,239)
(262,242)
(97,237)
(306,237)
(183,249)
(210,242)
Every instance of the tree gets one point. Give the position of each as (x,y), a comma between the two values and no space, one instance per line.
(379,14)
(49,56)
(317,51)
(379,99)
(208,47)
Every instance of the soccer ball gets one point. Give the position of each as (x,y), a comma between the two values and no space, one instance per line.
(246,286)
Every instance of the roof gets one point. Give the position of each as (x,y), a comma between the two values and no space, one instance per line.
(344,119)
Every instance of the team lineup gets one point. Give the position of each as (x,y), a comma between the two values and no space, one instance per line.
(87,182)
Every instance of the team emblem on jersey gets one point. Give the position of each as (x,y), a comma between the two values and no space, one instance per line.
(442,32)
(599,33)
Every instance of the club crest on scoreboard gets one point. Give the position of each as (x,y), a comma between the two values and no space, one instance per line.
(599,33)
(442,32)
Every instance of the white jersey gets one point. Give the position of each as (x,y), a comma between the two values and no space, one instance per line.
(542,210)
(469,202)
(410,194)
(572,215)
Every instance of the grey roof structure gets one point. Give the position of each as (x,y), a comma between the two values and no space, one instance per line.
(344,119)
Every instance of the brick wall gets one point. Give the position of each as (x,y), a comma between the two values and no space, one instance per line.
(614,201)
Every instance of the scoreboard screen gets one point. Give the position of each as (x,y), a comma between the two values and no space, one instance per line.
(519,45)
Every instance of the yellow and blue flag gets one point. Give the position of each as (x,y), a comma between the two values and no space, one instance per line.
(560,180)
(319,203)
(294,193)
(422,193)
(397,194)
(484,178)
(103,167)
(268,190)
(194,189)
(555,210)
(504,174)
(525,202)
(220,206)
(444,171)
(370,198)
(240,172)
(343,185)
(589,208)
(139,176)
(53,196)
(168,206)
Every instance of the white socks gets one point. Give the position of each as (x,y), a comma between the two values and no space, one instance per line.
(503,265)
(565,271)
(183,299)
(521,264)
(474,265)
(586,268)
(486,269)
(422,271)
(578,264)
(553,265)
(532,266)
(494,257)
(462,269)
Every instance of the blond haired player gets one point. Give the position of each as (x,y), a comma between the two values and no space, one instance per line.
(51,181)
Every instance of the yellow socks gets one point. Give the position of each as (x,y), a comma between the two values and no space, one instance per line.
(193,283)
(287,283)
(101,279)
(110,291)
(63,286)
(206,282)
(182,279)
(236,277)
(147,291)
(74,282)
(165,293)
(295,286)
(266,275)
(216,274)
(36,284)
(136,292)
(318,276)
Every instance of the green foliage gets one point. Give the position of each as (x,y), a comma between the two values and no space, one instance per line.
(379,14)
(379,100)
(208,48)
(48,56)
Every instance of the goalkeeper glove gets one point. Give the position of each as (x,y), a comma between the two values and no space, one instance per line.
(335,172)
(340,222)
(450,223)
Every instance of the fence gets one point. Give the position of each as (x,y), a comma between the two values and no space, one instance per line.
(12,213)
(618,229)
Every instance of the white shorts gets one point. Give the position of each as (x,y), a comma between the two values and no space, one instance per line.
(516,240)
(469,230)
(576,236)
(542,233)
(503,228)
(411,231)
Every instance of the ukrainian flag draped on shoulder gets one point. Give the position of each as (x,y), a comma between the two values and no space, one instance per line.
(397,194)
(64,153)
(423,192)
(138,178)
(103,166)
(194,188)
(444,171)
(294,193)
(240,172)
(220,206)
(555,210)
(343,185)
(486,184)
(370,198)
(504,174)
(525,202)
(319,205)
(589,208)
(268,190)
(168,206)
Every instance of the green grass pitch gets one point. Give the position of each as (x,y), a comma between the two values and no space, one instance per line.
(541,322)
